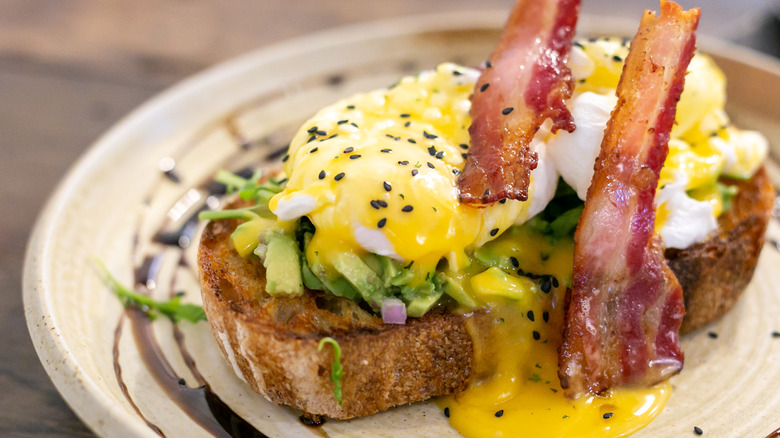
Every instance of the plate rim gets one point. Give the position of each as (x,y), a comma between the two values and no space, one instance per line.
(93,407)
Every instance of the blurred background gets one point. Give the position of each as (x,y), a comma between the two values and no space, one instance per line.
(69,69)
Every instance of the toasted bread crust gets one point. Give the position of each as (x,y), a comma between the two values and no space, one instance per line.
(384,365)
(272,342)
(714,273)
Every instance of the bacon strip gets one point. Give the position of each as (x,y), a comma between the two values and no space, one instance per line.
(626,305)
(528,77)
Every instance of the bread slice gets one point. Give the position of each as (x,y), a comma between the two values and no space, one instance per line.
(714,273)
(272,342)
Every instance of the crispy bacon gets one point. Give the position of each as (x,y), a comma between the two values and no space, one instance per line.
(626,305)
(526,83)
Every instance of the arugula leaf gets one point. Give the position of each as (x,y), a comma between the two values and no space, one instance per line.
(174,309)
(248,190)
(336,371)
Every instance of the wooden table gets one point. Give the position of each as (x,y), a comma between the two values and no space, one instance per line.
(70,69)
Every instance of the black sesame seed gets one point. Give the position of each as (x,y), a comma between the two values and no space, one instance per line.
(285,158)
(439,155)
(404,115)
(536,335)
(354,156)
(381,222)
(349,149)
(390,136)
(447,412)
(429,136)
(353,124)
(776,334)
(494,231)
(406,125)
(322,174)
(697,430)
(412,141)
(463,146)
(514,262)
(464,155)
(499,413)
(617,58)
(546,316)
(712,335)
(381,203)
(520,272)
(403,163)
(488,64)
(546,285)
(312,130)
(385,151)
(430,165)
(487,192)
(607,416)
(456,73)
(333,136)
(530,315)
(182,382)
(507,110)
(350,107)
(432,150)
(455,172)
(554,282)
(311,139)
(387,186)
(341,122)
(314,150)
(339,176)
(407,208)
(576,43)
(414,172)
(484,87)
(503,201)
(321,132)
(374,204)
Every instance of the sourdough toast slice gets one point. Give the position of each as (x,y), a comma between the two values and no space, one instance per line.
(271,342)
(714,273)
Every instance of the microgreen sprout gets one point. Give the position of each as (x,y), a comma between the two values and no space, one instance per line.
(336,371)
(174,309)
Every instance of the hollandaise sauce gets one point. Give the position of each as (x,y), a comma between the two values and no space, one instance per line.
(516,391)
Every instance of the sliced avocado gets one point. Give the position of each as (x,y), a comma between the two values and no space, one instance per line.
(283,265)
(309,279)
(393,274)
(421,298)
(341,288)
(246,236)
(361,276)
(495,282)
(455,290)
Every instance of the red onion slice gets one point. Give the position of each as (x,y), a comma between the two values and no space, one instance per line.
(393,311)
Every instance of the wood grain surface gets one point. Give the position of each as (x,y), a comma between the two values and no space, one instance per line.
(69,69)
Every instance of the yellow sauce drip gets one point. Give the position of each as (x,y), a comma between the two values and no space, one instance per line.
(516,391)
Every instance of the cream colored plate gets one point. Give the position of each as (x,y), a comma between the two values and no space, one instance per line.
(116,197)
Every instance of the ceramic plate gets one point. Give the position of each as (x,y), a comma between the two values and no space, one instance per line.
(130,201)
